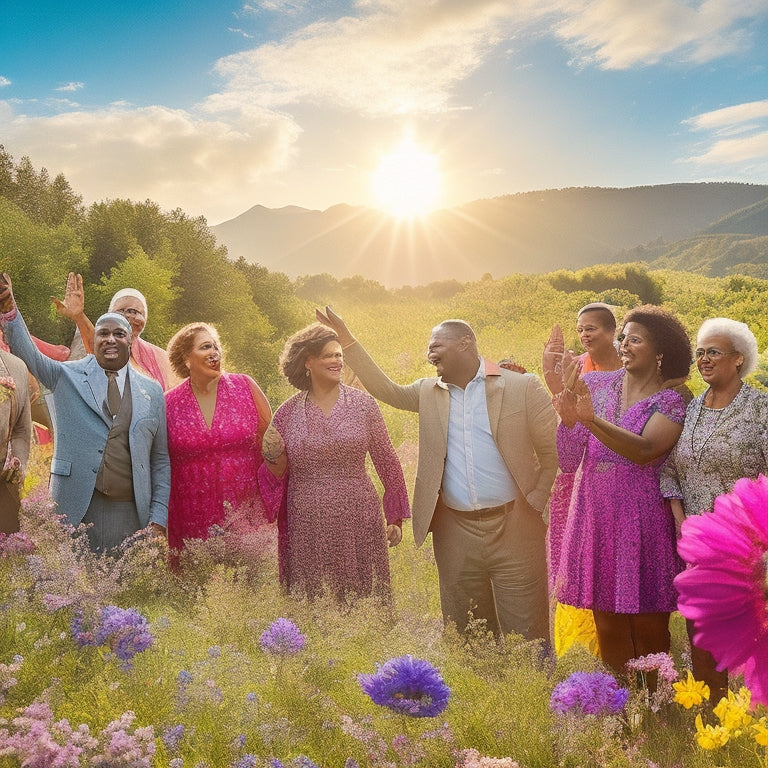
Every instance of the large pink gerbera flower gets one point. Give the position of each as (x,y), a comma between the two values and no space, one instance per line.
(725,592)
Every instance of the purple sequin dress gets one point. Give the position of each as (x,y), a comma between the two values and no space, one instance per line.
(619,552)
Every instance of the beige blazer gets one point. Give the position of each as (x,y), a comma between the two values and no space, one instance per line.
(522,419)
(21,429)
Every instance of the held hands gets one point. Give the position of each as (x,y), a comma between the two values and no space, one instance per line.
(335,323)
(7,302)
(74,303)
(574,403)
(272,445)
(394,534)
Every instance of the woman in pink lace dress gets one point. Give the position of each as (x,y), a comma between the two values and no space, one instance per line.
(619,554)
(216,422)
(332,534)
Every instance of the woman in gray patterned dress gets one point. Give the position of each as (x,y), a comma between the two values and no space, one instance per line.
(725,437)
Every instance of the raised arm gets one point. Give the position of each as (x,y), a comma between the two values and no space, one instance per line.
(73,307)
(17,335)
(405,397)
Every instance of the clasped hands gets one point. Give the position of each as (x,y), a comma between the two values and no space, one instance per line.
(562,369)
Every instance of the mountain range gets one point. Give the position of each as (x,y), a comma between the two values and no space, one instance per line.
(713,228)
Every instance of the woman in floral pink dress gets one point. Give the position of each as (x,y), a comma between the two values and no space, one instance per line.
(332,534)
(216,422)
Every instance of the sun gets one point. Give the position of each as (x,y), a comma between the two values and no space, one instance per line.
(407,182)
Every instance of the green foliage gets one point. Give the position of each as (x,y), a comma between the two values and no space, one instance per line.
(46,202)
(633,278)
(147,275)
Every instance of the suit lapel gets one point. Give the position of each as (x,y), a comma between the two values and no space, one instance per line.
(94,388)
(494,394)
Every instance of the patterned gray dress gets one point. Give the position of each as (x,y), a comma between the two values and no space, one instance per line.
(716,448)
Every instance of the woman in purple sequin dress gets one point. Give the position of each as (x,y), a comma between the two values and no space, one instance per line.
(619,556)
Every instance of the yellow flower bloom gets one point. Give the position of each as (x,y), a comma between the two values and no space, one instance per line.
(690,692)
(760,729)
(733,711)
(711,736)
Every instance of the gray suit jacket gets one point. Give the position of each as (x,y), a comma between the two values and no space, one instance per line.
(522,419)
(81,430)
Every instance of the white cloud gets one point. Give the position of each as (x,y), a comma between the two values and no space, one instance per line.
(728,117)
(4,81)
(393,57)
(738,136)
(617,34)
(72,86)
(171,156)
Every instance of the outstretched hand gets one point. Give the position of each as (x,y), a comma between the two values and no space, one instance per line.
(335,323)
(74,302)
(552,360)
(574,403)
(555,360)
(7,302)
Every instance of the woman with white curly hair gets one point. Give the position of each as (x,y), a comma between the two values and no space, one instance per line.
(725,437)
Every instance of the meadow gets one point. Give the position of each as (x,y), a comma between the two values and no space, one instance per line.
(120,662)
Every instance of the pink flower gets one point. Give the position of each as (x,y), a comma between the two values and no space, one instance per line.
(724,590)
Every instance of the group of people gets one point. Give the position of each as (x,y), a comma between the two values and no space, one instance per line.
(577,493)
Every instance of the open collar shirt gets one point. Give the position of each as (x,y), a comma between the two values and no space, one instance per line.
(475,475)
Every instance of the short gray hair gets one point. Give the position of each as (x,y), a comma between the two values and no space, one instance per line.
(742,339)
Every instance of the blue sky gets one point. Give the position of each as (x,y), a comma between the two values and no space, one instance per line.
(218,106)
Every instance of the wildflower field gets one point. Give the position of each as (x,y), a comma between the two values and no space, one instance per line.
(119,662)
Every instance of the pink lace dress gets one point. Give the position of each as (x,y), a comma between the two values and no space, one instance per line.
(331,528)
(213,471)
(619,551)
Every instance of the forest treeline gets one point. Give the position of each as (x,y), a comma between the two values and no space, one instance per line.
(46,231)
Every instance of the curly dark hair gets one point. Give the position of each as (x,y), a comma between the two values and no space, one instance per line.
(181,345)
(669,337)
(308,342)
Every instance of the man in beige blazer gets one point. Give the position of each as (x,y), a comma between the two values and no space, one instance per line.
(487,461)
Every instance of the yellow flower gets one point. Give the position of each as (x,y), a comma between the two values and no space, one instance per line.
(760,729)
(710,736)
(690,692)
(733,711)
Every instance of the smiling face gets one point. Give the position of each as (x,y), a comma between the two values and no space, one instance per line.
(594,335)
(637,350)
(327,368)
(720,371)
(133,311)
(204,358)
(111,344)
(446,352)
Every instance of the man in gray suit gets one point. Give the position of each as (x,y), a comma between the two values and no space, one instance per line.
(110,466)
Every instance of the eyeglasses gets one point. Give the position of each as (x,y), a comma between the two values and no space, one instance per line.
(130,311)
(711,353)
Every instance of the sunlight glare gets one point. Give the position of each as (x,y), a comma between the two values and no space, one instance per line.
(407,182)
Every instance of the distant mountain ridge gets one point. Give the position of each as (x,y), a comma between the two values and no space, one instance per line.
(530,232)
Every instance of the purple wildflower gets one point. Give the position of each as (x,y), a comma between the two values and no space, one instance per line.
(246,761)
(411,686)
(282,638)
(125,630)
(589,693)
(16,544)
(172,736)
(184,678)
(662,663)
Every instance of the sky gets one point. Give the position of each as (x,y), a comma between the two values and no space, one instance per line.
(214,106)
